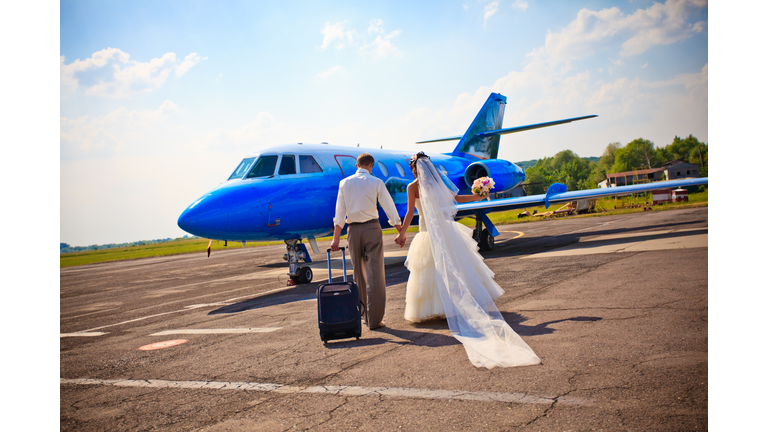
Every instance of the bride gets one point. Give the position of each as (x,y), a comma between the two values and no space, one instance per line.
(448,276)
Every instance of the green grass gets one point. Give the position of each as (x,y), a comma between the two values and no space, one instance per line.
(173,247)
(184,246)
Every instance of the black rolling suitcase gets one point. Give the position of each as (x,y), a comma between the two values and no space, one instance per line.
(338,307)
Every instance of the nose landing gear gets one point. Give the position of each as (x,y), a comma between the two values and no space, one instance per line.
(295,251)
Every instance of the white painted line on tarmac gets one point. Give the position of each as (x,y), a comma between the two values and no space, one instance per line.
(218,331)
(82,334)
(412,393)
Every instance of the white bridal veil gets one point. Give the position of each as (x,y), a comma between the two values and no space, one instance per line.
(471,313)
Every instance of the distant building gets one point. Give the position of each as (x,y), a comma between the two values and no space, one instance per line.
(635,177)
(673,170)
(680,169)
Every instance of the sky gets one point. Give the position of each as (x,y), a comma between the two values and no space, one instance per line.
(159,101)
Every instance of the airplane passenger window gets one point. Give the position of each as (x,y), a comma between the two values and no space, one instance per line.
(383,169)
(264,167)
(308,164)
(287,165)
(241,169)
(400,169)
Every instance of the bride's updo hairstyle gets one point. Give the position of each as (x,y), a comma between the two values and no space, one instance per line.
(414,159)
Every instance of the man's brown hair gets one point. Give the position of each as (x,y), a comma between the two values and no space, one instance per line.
(364,160)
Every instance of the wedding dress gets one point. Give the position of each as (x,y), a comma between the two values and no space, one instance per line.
(422,298)
(449,278)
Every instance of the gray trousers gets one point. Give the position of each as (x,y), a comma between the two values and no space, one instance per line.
(367,254)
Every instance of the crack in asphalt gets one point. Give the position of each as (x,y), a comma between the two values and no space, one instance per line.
(330,413)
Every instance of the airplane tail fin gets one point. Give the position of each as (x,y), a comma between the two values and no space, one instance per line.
(490,117)
(476,141)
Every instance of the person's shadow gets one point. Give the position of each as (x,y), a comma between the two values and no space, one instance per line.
(514,320)
(430,339)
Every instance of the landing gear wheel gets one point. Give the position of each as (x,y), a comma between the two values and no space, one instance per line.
(486,240)
(305,275)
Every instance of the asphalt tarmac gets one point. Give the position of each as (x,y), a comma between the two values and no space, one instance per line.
(615,307)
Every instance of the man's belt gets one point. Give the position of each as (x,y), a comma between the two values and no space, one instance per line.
(361,223)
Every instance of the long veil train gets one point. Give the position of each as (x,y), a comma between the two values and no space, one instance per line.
(469,309)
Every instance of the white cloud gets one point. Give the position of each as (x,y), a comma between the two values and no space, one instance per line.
(188,62)
(115,133)
(264,130)
(591,31)
(382,46)
(645,65)
(520,4)
(489,10)
(111,73)
(339,33)
(331,71)
(376,26)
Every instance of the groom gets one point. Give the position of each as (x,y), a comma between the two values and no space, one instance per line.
(356,205)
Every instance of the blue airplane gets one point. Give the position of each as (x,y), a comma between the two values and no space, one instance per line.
(288,192)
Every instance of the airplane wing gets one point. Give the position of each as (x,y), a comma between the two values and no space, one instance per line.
(557,194)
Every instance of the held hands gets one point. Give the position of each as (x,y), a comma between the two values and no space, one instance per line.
(400,239)
(335,245)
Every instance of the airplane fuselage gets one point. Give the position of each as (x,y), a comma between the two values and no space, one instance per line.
(301,202)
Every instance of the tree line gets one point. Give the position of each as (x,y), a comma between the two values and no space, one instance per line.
(579,173)
(67,248)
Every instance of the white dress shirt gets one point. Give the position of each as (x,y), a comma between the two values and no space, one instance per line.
(357,198)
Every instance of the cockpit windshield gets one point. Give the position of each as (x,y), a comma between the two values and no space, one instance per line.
(241,169)
(264,167)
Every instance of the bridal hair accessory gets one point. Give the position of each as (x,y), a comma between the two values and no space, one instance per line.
(482,186)
(416,157)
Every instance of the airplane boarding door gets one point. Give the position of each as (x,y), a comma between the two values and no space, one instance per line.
(347,164)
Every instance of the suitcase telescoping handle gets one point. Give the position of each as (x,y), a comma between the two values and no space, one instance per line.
(343,264)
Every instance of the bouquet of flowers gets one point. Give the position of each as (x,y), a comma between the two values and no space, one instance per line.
(482,186)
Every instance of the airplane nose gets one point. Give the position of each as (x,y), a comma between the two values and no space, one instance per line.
(207,217)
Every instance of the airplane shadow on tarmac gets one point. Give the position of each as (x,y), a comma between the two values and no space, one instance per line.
(526,246)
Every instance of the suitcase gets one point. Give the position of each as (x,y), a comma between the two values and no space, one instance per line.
(339,309)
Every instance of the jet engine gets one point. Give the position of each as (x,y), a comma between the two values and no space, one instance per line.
(505,174)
